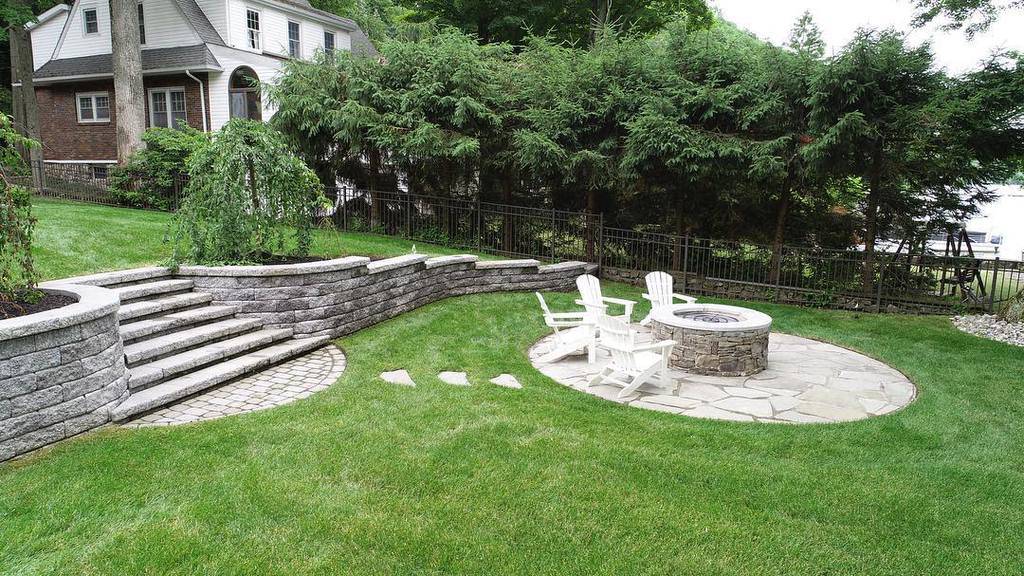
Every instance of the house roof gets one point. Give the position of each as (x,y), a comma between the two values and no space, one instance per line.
(305,6)
(163,59)
(57,10)
(200,23)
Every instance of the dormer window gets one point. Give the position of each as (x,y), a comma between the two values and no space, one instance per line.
(294,45)
(91,21)
(328,42)
(252,23)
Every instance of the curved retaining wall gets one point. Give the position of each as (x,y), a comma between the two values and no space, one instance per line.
(61,371)
(338,297)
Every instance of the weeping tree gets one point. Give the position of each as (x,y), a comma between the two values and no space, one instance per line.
(249,198)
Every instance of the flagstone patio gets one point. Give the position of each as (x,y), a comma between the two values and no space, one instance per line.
(806,381)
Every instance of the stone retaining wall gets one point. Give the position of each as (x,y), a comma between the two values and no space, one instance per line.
(338,297)
(61,371)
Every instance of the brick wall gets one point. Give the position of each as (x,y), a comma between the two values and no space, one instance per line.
(64,138)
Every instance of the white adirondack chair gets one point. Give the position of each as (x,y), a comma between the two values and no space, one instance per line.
(659,293)
(574,331)
(632,365)
(596,304)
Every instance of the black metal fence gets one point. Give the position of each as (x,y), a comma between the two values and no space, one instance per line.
(98,184)
(923,283)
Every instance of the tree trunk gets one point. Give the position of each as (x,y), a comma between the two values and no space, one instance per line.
(870,233)
(780,233)
(593,209)
(26,110)
(871,220)
(375,204)
(509,220)
(599,14)
(130,110)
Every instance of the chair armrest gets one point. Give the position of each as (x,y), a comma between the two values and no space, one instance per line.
(619,301)
(582,303)
(566,315)
(660,345)
(685,298)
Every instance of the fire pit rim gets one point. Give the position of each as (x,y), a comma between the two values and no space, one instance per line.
(749,319)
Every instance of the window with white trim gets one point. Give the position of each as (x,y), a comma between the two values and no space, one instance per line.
(93,107)
(252,24)
(328,42)
(90,21)
(294,43)
(142,25)
(166,107)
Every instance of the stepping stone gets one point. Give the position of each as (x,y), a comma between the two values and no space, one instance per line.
(751,406)
(506,380)
(454,378)
(669,400)
(745,392)
(397,377)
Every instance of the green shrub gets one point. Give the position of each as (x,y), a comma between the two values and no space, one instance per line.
(147,179)
(17,276)
(248,197)
(1013,309)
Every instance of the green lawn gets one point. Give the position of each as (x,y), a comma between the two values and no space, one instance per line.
(369,478)
(74,238)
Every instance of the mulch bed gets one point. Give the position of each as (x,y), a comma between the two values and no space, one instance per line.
(272,259)
(48,302)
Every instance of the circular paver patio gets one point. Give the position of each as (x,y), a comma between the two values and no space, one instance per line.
(806,381)
(277,385)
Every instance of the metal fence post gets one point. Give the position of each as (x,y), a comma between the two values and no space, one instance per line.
(479,230)
(344,208)
(554,235)
(878,293)
(600,244)
(686,262)
(993,283)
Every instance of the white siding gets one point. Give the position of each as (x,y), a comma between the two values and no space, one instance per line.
(76,43)
(216,13)
(166,27)
(44,40)
(266,67)
(274,30)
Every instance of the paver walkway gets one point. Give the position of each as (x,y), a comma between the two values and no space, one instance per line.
(281,384)
(806,381)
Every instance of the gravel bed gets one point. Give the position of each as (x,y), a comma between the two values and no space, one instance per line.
(991,327)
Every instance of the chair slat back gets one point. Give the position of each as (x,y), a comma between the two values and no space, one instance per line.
(618,339)
(659,287)
(590,289)
(543,304)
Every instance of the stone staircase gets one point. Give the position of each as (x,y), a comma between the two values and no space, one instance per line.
(176,343)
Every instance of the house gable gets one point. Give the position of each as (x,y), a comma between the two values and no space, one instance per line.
(165,23)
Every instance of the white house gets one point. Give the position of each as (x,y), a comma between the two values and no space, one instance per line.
(199,60)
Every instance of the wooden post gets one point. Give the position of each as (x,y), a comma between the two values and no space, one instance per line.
(26,109)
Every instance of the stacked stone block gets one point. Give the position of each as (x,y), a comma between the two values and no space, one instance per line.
(61,371)
(716,353)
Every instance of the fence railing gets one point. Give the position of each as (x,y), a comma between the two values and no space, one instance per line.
(924,283)
(95,184)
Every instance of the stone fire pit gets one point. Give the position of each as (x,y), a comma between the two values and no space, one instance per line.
(714,339)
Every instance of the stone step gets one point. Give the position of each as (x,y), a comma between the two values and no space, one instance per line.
(219,373)
(145,308)
(150,289)
(146,375)
(182,340)
(158,325)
